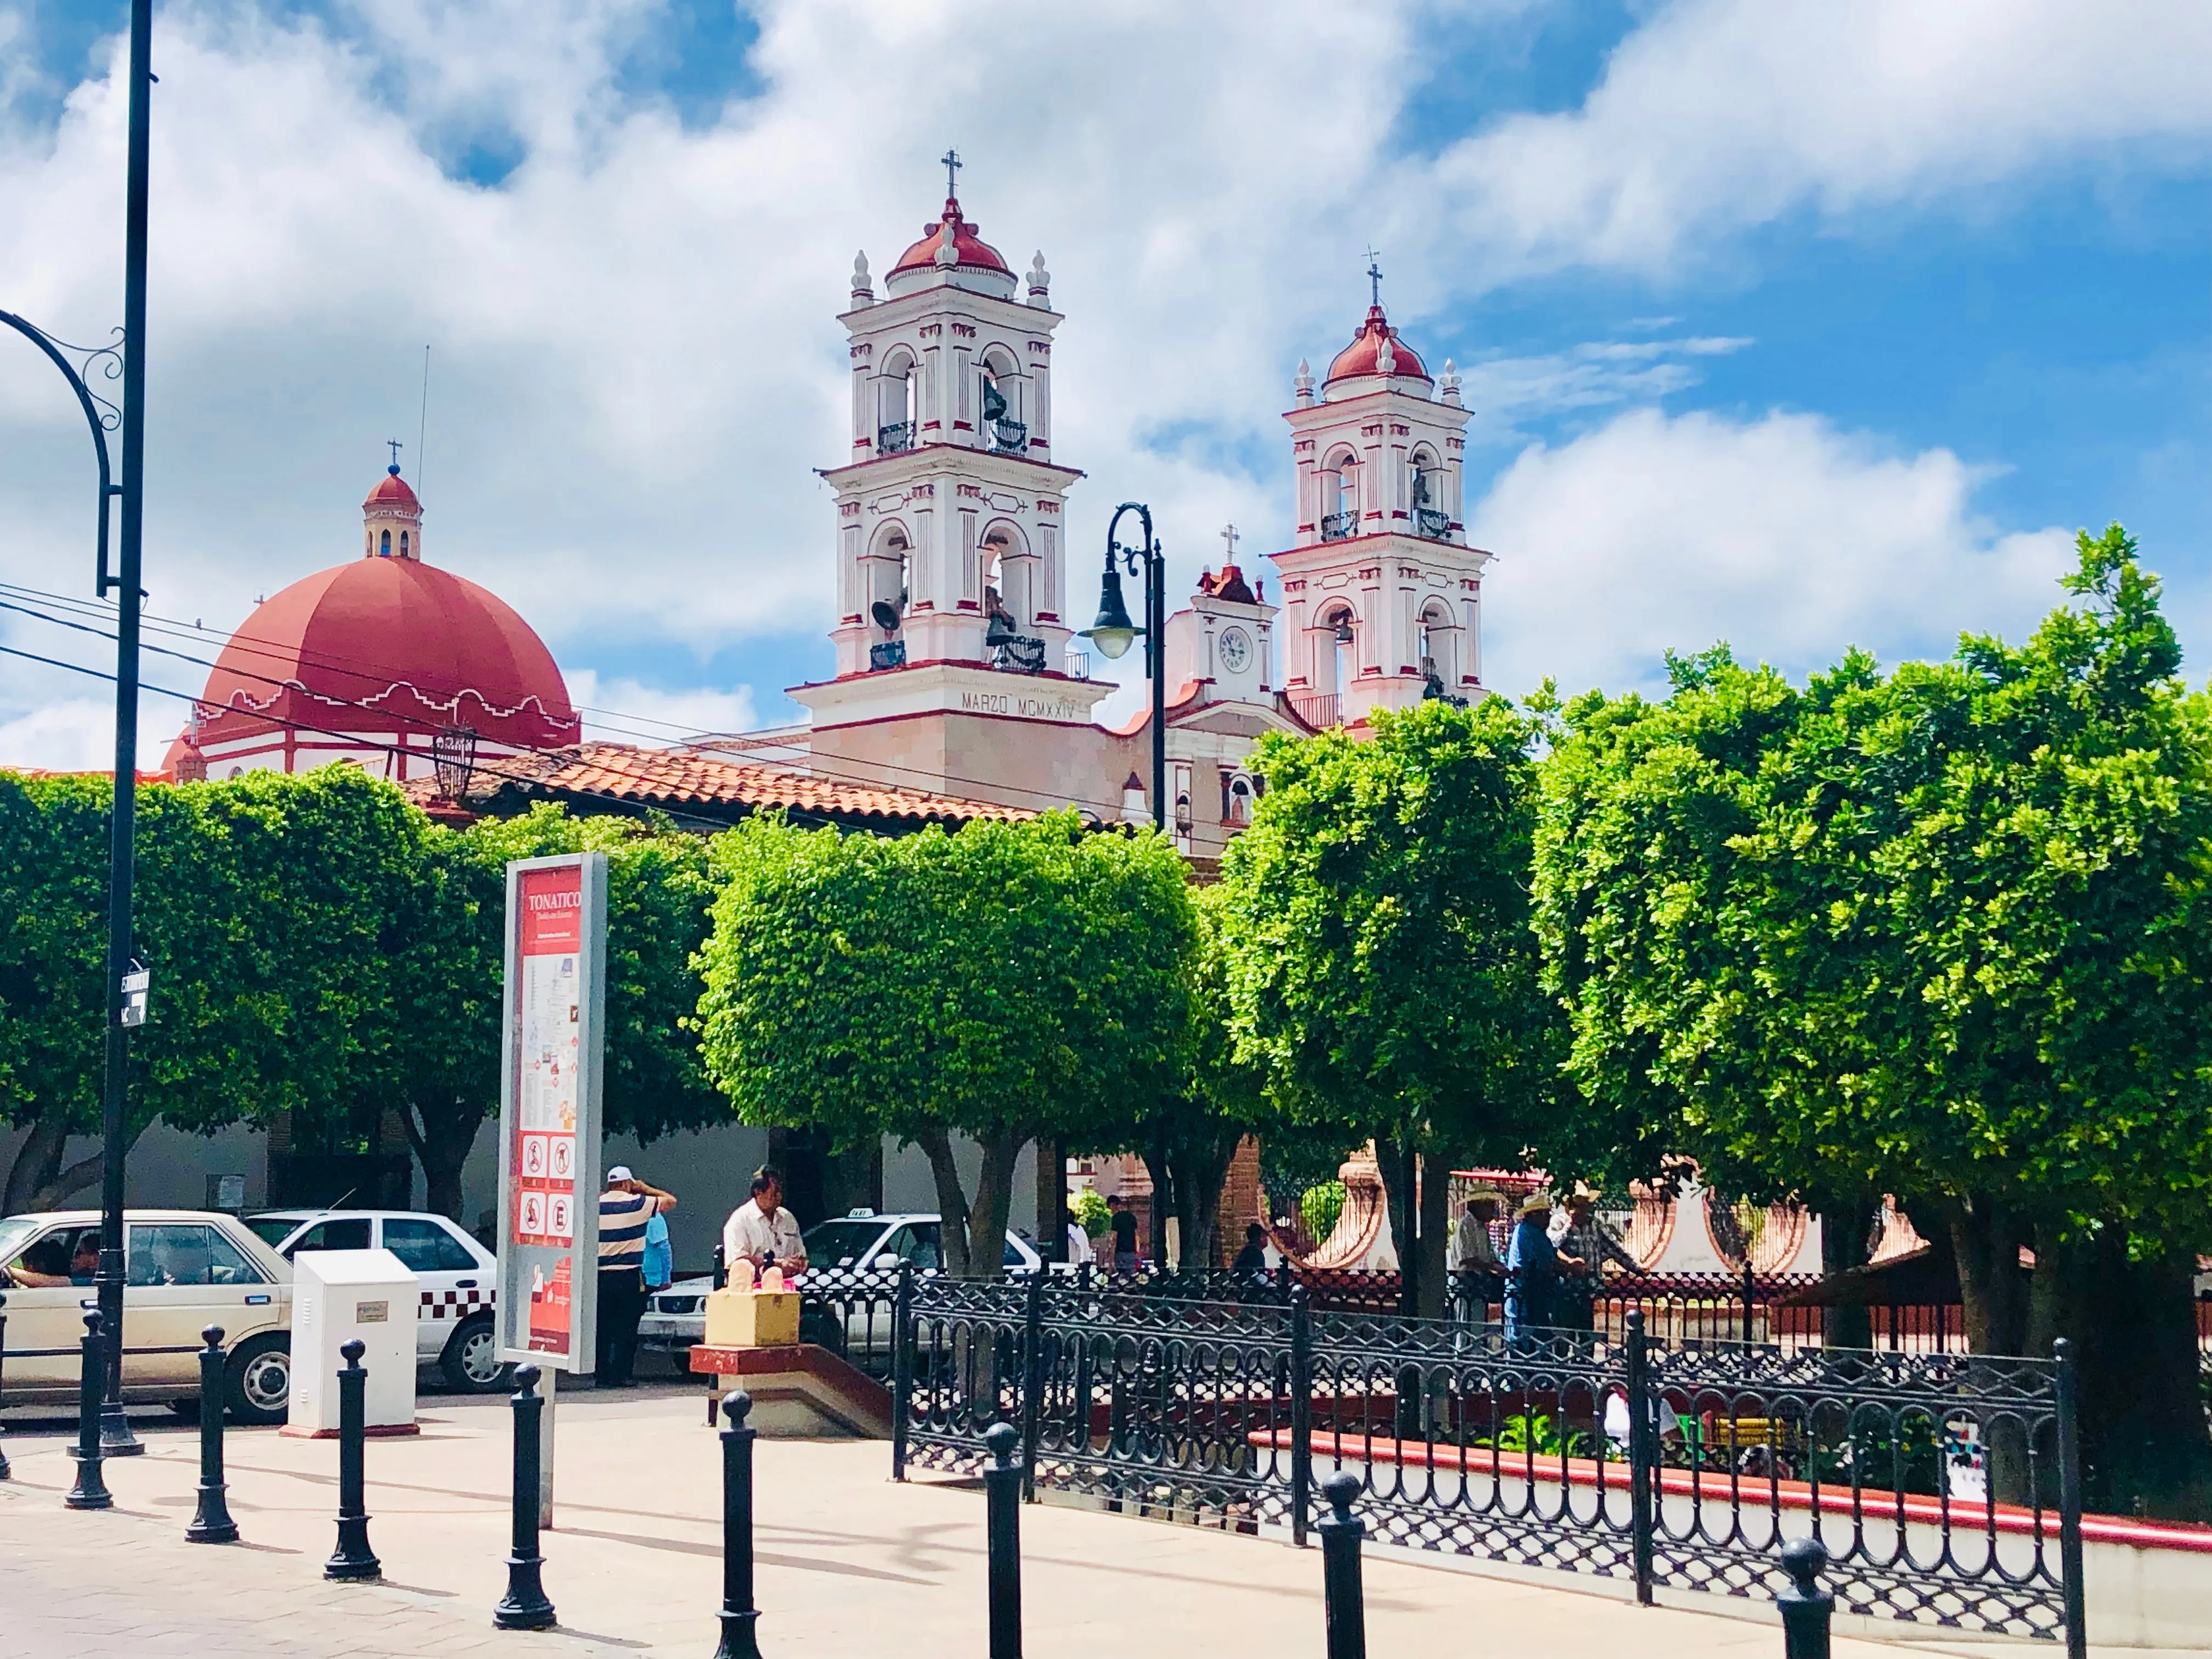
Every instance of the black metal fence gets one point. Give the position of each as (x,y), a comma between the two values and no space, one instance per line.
(1941,1483)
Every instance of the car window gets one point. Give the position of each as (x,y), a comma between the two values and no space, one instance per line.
(14,1233)
(172,1253)
(228,1264)
(274,1230)
(1014,1258)
(840,1243)
(338,1233)
(916,1241)
(54,1253)
(426,1247)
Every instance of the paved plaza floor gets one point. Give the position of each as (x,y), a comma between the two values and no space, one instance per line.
(849,1563)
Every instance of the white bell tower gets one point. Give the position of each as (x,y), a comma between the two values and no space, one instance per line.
(1382,595)
(952,582)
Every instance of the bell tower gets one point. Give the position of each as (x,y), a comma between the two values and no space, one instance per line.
(1382,595)
(391,517)
(952,601)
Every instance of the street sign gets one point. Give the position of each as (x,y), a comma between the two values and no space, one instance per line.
(549,1140)
(135,984)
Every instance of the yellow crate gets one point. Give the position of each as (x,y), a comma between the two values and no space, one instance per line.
(752,1319)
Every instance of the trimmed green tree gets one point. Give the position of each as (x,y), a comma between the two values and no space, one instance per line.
(1380,964)
(1943,932)
(1000,982)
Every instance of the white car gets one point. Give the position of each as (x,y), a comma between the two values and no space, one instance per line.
(460,1280)
(852,1264)
(184,1270)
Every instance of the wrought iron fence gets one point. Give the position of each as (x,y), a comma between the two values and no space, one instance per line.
(853,1314)
(1943,1485)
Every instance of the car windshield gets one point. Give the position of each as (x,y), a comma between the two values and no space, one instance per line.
(274,1230)
(15,1231)
(840,1243)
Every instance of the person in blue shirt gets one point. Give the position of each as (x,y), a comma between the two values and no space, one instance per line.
(1532,1270)
(659,1259)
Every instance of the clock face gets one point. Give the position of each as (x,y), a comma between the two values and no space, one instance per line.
(1236,649)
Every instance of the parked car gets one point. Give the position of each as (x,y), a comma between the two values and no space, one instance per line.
(183,1270)
(453,1330)
(852,1264)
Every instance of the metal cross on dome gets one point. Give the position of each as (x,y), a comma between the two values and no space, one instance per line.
(1229,536)
(1374,276)
(396,446)
(952,164)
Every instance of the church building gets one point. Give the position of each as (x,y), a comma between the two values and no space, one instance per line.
(959,667)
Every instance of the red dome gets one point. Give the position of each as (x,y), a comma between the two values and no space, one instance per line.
(1359,357)
(967,242)
(420,647)
(391,491)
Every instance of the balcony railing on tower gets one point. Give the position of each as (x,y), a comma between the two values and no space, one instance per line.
(896,439)
(1321,711)
(1339,526)
(1432,524)
(1006,436)
(891,654)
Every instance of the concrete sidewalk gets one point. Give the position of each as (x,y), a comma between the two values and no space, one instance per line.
(848,1563)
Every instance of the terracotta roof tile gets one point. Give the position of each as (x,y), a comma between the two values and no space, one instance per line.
(676,778)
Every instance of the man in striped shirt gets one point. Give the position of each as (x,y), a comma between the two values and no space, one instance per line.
(625,1207)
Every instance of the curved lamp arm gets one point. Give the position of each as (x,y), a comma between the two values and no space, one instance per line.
(102,417)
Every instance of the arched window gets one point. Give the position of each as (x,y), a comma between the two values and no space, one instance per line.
(1002,428)
(1339,506)
(1436,637)
(403,543)
(1236,798)
(1337,665)
(384,545)
(895,406)
(1431,518)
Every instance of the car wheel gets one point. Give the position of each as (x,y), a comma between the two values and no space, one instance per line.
(258,1379)
(471,1362)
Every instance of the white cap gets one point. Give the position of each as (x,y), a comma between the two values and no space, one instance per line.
(620,1172)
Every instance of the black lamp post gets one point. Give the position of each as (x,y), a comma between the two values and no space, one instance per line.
(126,979)
(1112,632)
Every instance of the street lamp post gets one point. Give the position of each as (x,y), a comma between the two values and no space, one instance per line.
(1113,632)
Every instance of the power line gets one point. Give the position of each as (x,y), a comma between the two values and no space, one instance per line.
(815,766)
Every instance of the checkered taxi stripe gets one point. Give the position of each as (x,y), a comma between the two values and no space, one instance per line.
(455,1304)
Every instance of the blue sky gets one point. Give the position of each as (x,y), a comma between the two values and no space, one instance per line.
(1799,326)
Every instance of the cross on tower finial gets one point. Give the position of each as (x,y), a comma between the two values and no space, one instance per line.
(396,447)
(1229,537)
(952,164)
(1374,276)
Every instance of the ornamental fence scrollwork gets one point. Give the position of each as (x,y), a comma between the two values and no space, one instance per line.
(1936,1480)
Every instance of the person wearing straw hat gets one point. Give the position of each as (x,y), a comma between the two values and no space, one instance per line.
(1532,1269)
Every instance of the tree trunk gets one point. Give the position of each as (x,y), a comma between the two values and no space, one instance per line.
(1436,1229)
(952,1202)
(37,1162)
(2145,1447)
(994,1194)
(1986,1236)
(442,1137)
(1394,1161)
(1051,1200)
(39,1180)
(1846,1231)
(1201,1166)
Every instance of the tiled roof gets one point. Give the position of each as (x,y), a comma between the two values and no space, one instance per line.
(676,779)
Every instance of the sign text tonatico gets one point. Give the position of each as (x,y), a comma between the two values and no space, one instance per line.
(549,1132)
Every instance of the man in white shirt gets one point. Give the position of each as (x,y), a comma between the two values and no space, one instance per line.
(1079,1245)
(761,1230)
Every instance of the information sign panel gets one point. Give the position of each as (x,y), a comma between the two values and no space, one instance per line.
(549,1140)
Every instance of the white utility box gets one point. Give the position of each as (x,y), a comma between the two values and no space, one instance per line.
(338,1297)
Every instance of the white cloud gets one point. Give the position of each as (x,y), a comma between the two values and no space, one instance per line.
(1718,115)
(1783,536)
(72,734)
(636,362)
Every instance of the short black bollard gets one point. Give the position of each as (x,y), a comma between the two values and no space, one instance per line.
(739,1615)
(1344,1599)
(1806,1608)
(5,1472)
(1002,1493)
(90,1492)
(525,1607)
(211,1522)
(352,1559)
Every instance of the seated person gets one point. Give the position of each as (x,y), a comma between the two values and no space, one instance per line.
(50,1264)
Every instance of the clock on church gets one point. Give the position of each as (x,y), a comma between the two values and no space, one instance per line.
(1236,649)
